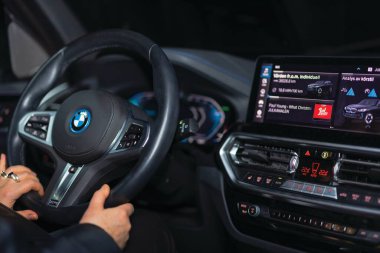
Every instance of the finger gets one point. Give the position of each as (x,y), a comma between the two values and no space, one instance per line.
(128,207)
(28,214)
(26,186)
(27,176)
(99,198)
(3,162)
(18,169)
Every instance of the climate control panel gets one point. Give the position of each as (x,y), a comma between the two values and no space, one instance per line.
(309,169)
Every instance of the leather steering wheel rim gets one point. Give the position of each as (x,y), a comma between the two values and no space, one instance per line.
(163,130)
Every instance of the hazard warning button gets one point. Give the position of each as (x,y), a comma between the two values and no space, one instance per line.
(308,152)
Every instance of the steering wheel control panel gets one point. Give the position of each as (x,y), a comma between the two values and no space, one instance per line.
(296,171)
(37,126)
(131,138)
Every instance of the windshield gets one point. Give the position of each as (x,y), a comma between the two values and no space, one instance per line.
(368,102)
(244,28)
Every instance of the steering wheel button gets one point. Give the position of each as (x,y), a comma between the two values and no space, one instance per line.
(134,143)
(44,127)
(37,125)
(133,128)
(29,124)
(125,136)
(28,129)
(128,144)
(34,118)
(121,145)
(131,137)
(42,135)
(45,119)
(73,169)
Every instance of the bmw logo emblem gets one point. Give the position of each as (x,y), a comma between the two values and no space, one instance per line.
(80,121)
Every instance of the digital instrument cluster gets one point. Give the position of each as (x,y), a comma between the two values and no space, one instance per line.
(213,118)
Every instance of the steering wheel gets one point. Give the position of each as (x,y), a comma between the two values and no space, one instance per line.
(94,133)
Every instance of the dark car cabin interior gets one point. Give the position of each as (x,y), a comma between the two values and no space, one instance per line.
(246,126)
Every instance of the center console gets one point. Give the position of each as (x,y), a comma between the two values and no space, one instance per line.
(307,160)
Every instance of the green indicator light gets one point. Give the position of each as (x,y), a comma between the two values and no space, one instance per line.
(226,108)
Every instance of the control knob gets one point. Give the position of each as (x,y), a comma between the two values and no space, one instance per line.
(254,210)
(293,164)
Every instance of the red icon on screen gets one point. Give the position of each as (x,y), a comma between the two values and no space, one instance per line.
(307,153)
(314,169)
(323,173)
(305,171)
(322,111)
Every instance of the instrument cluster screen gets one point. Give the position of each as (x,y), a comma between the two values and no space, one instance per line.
(323,95)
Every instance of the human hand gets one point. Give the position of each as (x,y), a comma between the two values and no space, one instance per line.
(11,190)
(115,221)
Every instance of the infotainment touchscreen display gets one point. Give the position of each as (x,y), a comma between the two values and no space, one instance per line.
(332,93)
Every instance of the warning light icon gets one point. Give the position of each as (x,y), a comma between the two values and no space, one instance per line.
(307,153)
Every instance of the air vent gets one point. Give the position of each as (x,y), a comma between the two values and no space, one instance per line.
(359,170)
(262,157)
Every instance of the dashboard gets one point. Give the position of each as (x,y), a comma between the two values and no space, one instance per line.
(299,153)
(307,160)
(214,91)
(213,117)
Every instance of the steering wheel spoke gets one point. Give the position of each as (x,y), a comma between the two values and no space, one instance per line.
(36,128)
(60,184)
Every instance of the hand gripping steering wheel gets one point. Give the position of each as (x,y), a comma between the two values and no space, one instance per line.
(94,133)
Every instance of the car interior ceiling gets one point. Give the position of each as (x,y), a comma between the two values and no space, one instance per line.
(286,154)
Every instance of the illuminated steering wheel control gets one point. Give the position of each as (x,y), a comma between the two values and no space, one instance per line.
(38,126)
(131,138)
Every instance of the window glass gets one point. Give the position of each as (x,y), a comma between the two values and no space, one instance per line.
(244,28)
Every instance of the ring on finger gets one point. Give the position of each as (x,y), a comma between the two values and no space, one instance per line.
(4,174)
(14,177)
